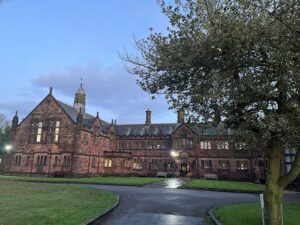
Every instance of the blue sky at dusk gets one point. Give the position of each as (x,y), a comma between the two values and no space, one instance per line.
(56,42)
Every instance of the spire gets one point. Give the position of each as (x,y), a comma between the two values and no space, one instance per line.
(79,100)
(15,121)
(50,90)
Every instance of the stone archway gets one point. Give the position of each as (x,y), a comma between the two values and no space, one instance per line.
(184,169)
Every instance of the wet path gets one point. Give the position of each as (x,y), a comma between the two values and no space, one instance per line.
(166,206)
(172,183)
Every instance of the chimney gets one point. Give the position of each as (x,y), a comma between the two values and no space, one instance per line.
(180,116)
(148,117)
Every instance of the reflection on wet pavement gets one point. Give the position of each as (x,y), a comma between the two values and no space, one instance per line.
(169,183)
(156,219)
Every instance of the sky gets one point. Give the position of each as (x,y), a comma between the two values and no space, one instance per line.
(56,42)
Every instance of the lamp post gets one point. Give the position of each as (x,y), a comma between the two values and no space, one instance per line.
(7,149)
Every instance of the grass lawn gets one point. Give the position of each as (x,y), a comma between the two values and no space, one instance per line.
(249,214)
(224,185)
(36,204)
(132,181)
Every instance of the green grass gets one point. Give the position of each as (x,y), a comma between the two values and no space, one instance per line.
(131,181)
(224,185)
(50,204)
(250,214)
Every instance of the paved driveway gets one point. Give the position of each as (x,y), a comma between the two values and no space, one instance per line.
(162,205)
(166,206)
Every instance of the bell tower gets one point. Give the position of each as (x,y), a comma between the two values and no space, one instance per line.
(79,100)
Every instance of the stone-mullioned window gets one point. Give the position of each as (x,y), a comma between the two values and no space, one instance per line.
(222,145)
(18,160)
(108,163)
(242,165)
(186,143)
(67,160)
(206,164)
(94,162)
(41,160)
(53,130)
(205,144)
(224,165)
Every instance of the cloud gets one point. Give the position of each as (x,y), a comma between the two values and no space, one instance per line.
(111,90)
(8,108)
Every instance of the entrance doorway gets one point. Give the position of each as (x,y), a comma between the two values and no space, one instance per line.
(184,169)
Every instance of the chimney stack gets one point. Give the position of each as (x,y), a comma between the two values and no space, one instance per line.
(148,117)
(180,116)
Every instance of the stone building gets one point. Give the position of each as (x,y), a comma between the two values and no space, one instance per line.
(58,139)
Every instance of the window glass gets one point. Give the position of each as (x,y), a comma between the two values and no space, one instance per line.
(39,132)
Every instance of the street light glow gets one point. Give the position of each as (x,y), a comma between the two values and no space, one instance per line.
(7,147)
(174,154)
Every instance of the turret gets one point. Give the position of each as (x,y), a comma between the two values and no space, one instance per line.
(79,101)
(15,121)
(14,126)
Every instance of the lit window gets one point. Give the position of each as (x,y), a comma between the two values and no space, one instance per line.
(240,145)
(205,145)
(56,132)
(137,166)
(222,145)
(242,165)
(206,164)
(224,164)
(39,132)
(108,163)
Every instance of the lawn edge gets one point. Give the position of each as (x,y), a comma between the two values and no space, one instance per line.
(77,182)
(106,211)
(213,217)
(222,190)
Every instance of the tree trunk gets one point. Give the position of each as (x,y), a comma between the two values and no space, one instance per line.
(274,191)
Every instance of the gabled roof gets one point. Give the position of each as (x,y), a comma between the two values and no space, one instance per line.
(72,113)
(142,130)
(88,119)
(209,130)
(168,129)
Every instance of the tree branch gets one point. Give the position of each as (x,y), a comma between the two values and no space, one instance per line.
(294,172)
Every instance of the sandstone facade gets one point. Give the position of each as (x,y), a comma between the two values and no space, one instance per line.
(58,139)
